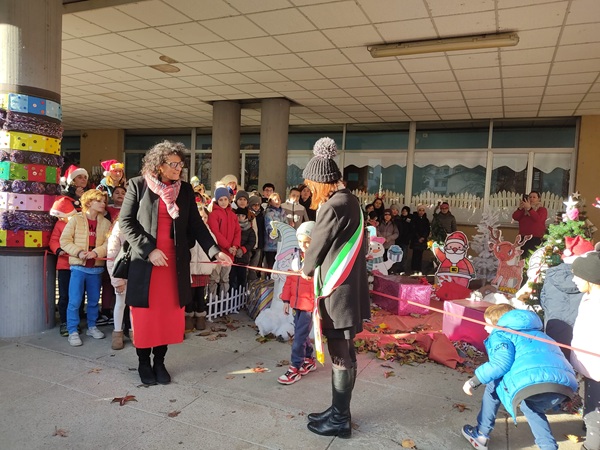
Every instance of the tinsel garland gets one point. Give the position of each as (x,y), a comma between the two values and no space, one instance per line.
(21,157)
(30,187)
(26,220)
(31,123)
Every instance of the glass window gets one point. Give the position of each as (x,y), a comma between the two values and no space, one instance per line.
(376,140)
(509,173)
(296,163)
(551,173)
(145,142)
(71,151)
(372,172)
(250,141)
(306,141)
(203,169)
(550,137)
(453,173)
(251,172)
(133,163)
(203,141)
(442,139)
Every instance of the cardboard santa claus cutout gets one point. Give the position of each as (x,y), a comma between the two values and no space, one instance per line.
(454,264)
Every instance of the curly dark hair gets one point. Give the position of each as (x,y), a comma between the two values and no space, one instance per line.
(157,156)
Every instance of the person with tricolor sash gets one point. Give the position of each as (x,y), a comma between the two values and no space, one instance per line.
(336,261)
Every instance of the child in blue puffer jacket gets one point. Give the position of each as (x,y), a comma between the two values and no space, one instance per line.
(520,371)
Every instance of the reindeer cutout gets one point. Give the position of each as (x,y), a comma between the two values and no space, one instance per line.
(509,275)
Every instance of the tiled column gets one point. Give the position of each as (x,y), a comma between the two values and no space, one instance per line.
(30,134)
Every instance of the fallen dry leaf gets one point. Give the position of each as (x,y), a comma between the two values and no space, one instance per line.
(259,369)
(204,333)
(408,443)
(173,400)
(354,425)
(222,335)
(461,407)
(230,377)
(123,400)
(282,363)
(387,366)
(389,373)
(174,413)
(574,438)
(289,416)
(95,370)
(213,337)
(60,432)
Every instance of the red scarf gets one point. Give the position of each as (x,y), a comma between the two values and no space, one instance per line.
(167,192)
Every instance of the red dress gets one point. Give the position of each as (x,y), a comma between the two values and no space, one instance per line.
(163,322)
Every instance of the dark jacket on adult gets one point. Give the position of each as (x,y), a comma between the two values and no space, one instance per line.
(405,229)
(138,221)
(337,220)
(421,229)
(312,214)
(560,300)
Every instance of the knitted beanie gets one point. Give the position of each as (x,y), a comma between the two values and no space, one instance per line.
(254,200)
(305,229)
(221,192)
(587,267)
(240,194)
(322,168)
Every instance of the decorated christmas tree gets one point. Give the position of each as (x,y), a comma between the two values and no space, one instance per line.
(571,223)
(485,262)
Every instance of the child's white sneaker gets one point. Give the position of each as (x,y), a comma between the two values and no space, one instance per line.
(95,333)
(74,339)
(476,439)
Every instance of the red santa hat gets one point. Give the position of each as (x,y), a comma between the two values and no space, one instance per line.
(575,247)
(72,172)
(63,207)
(111,164)
(457,237)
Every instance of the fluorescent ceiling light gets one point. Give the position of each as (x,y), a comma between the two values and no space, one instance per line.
(444,45)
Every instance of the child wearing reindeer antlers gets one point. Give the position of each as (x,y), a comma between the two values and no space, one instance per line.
(521,371)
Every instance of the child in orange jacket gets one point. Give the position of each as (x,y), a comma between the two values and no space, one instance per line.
(299,294)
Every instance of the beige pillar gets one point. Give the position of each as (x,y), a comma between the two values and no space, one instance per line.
(274,123)
(30,58)
(225,140)
(101,145)
(588,161)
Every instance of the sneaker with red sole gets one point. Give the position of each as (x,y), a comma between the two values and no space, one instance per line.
(290,377)
(475,438)
(309,365)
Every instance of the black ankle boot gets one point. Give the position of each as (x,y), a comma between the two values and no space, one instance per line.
(319,417)
(145,368)
(339,421)
(160,371)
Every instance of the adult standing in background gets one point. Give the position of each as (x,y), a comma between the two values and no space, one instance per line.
(421,230)
(337,261)
(306,201)
(443,220)
(531,216)
(161,222)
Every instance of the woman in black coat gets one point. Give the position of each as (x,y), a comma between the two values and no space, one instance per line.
(421,229)
(337,259)
(161,223)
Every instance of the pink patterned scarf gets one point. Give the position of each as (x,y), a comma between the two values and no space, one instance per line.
(167,192)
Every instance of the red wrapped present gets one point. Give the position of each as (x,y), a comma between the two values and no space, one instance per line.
(458,329)
(404,288)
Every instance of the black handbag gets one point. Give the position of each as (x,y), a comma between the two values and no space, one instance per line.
(122,262)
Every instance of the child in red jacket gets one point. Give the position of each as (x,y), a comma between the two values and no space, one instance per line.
(300,295)
(63,208)
(224,225)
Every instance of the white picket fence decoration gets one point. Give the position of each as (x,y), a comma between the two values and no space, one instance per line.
(218,306)
(468,208)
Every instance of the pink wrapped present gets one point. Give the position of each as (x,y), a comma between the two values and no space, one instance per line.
(26,202)
(458,329)
(404,288)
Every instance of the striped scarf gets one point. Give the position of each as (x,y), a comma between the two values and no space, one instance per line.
(167,192)
(335,276)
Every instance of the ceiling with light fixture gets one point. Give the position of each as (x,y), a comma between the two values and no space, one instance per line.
(160,63)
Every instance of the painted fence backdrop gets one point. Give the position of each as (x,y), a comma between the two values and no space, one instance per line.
(467,208)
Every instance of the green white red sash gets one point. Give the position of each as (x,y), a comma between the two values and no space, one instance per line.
(335,276)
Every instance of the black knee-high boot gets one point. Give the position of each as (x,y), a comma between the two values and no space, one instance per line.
(319,417)
(339,421)
(160,371)
(145,368)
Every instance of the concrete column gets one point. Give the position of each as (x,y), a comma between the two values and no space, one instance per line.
(274,123)
(588,160)
(225,140)
(30,61)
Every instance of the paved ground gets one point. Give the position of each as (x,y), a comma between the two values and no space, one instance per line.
(48,388)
